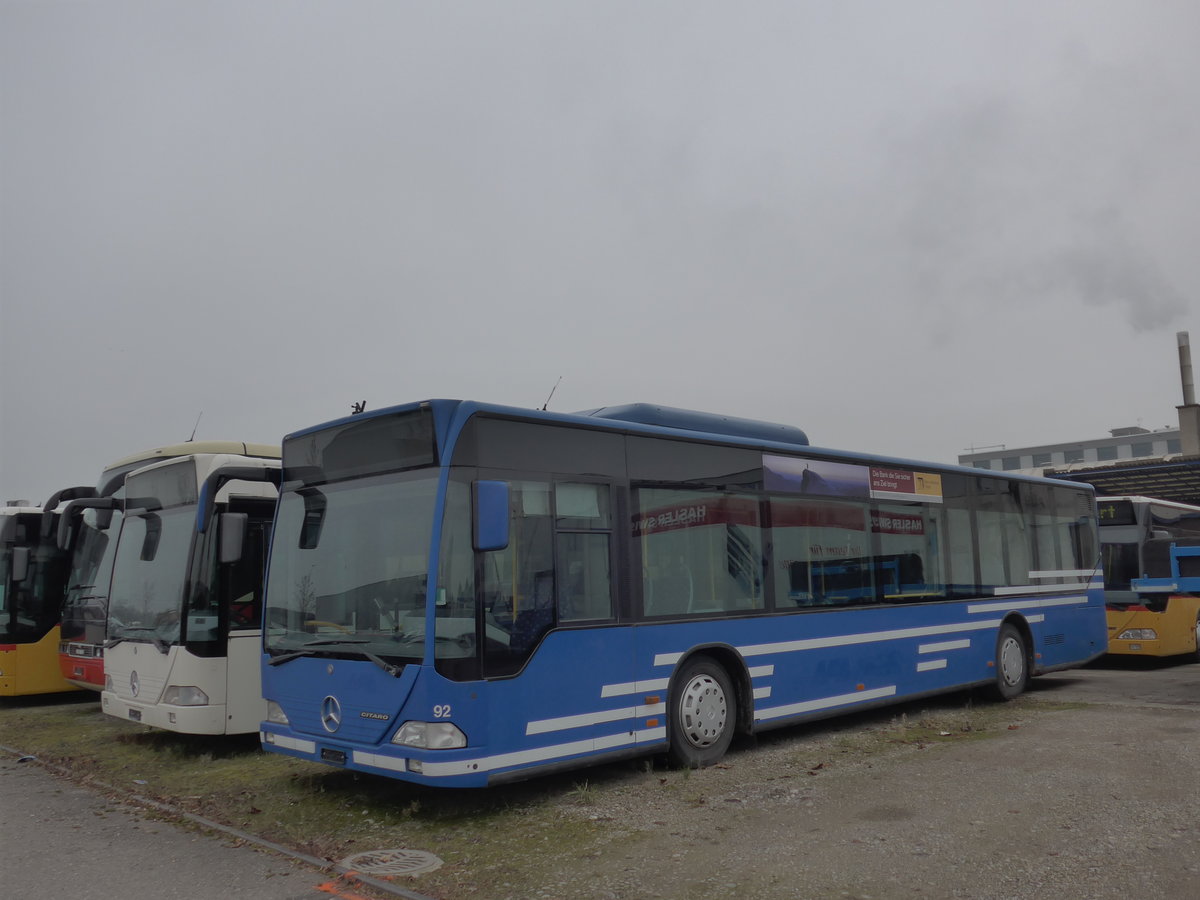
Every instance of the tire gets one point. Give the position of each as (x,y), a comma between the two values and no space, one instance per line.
(1012,663)
(701,715)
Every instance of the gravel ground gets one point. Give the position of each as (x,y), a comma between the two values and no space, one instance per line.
(1086,788)
(1092,802)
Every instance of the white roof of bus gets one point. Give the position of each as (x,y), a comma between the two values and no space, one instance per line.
(15,510)
(189,448)
(1137,498)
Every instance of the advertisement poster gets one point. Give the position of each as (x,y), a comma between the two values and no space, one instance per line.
(822,478)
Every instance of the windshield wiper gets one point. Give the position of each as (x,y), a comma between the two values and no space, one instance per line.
(124,636)
(161,645)
(305,650)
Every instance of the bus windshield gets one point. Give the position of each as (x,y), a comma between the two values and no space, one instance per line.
(84,609)
(149,576)
(5,610)
(29,608)
(349,567)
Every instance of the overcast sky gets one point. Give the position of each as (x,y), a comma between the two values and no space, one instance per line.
(908,228)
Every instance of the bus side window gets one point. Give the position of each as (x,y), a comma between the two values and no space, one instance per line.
(518,581)
(702,551)
(585,579)
(823,549)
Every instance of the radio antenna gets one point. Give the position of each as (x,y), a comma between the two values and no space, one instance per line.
(194,427)
(552,390)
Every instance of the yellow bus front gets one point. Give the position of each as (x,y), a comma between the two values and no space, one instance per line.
(32,668)
(1138,630)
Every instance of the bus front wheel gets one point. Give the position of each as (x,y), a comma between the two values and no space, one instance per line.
(703,710)
(1012,663)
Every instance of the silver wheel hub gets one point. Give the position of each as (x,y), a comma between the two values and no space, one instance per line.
(1012,661)
(703,711)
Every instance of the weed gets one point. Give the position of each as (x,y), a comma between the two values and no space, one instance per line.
(583,794)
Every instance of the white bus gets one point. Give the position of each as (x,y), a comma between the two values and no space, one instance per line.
(88,529)
(184,620)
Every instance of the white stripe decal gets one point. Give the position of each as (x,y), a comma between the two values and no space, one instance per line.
(791,709)
(930,664)
(1042,589)
(280,740)
(543,754)
(844,640)
(1031,603)
(1063,573)
(378,761)
(762,693)
(761,671)
(667,659)
(634,687)
(943,646)
(563,723)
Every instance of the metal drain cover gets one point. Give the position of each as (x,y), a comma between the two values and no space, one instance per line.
(392,862)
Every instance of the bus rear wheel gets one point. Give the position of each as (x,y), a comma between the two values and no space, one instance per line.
(702,713)
(1012,663)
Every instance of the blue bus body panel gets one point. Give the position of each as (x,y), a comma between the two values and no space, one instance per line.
(798,666)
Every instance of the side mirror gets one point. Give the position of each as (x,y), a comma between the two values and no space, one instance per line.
(20,563)
(233,536)
(491,515)
(153,534)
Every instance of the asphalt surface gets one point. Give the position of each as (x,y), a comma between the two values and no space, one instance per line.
(60,839)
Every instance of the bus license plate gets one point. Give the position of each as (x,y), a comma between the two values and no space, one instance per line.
(136,715)
(333,756)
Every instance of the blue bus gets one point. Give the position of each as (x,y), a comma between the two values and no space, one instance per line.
(466,594)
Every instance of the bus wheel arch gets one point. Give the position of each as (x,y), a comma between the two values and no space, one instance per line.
(1013,660)
(707,703)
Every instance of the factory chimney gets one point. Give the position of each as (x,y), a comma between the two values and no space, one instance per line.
(1189,413)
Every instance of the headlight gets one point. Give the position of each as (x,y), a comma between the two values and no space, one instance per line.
(176,695)
(276,714)
(1138,634)
(108,682)
(430,736)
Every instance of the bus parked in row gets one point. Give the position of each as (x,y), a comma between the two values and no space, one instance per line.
(89,529)
(184,630)
(33,579)
(464,594)
(1136,534)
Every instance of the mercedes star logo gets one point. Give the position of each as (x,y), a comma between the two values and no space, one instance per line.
(331,714)
(134,684)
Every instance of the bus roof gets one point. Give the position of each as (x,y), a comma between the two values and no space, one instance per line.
(240,448)
(651,419)
(701,422)
(114,473)
(1138,498)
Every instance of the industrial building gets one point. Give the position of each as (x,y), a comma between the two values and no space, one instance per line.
(1162,463)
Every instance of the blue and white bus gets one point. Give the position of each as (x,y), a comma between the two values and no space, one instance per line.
(465,594)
